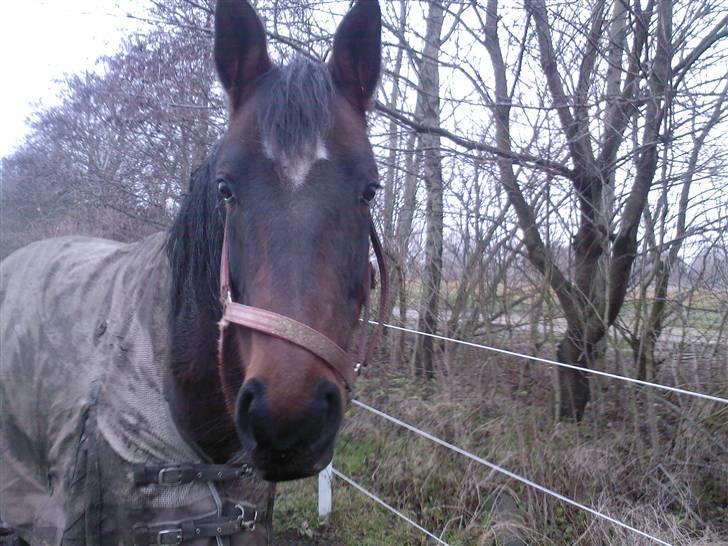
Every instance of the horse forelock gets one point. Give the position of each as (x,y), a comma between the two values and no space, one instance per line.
(294,116)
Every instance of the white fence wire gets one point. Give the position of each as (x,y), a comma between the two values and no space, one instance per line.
(676,390)
(379,501)
(325,477)
(506,472)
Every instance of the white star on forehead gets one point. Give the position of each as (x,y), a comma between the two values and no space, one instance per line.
(296,169)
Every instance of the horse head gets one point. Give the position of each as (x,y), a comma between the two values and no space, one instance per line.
(295,174)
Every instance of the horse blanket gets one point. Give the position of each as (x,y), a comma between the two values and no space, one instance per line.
(89,450)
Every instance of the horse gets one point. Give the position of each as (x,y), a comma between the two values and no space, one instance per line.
(154,392)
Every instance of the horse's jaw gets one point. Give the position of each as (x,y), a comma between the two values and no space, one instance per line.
(275,469)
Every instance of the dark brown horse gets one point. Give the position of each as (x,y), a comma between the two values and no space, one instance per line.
(295,174)
(129,368)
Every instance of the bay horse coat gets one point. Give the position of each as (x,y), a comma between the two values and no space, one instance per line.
(150,393)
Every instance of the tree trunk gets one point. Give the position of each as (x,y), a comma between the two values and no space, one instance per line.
(428,96)
(390,189)
(644,349)
(403,229)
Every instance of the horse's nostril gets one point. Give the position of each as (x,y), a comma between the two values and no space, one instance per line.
(332,399)
(246,400)
(248,404)
(280,456)
(331,411)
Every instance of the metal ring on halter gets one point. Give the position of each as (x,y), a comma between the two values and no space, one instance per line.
(246,524)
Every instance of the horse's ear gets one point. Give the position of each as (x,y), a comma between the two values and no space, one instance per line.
(357,55)
(241,55)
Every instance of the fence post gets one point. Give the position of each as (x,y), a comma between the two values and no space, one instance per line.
(325,495)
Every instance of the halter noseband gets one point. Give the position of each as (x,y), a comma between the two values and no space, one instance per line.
(297,333)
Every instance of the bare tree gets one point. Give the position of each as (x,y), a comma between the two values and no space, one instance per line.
(605,243)
(428,105)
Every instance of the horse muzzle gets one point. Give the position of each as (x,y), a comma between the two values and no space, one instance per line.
(288,446)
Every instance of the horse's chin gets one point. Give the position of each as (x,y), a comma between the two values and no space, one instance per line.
(273,470)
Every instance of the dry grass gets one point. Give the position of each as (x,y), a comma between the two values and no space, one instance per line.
(675,489)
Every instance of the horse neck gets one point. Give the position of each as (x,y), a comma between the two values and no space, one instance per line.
(194,342)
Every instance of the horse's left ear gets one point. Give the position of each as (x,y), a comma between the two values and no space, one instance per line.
(356,60)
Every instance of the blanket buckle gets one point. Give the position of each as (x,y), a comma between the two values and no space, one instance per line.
(171,476)
(169,537)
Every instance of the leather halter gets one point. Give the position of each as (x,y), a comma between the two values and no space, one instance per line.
(297,333)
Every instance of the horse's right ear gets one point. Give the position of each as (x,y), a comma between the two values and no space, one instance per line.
(241,55)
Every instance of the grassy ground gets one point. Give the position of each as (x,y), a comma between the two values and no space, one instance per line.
(659,464)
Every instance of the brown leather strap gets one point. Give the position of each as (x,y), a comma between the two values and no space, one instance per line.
(295,332)
(363,344)
(225,289)
(383,295)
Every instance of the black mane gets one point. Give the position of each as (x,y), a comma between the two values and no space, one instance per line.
(194,243)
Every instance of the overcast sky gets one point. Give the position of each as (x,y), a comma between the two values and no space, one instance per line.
(40,41)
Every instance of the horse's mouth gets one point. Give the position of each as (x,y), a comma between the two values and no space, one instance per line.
(284,466)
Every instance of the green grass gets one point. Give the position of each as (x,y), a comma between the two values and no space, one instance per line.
(296,507)
(357,519)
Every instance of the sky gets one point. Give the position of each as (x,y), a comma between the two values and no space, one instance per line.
(40,41)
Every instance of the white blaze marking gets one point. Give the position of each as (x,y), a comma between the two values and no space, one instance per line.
(296,169)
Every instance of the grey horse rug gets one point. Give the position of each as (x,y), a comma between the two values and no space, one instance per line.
(89,450)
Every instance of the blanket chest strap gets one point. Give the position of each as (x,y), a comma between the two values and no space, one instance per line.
(172,534)
(172,475)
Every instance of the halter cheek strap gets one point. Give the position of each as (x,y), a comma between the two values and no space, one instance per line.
(295,332)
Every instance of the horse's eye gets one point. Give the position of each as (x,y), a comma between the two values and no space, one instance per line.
(369,193)
(226,194)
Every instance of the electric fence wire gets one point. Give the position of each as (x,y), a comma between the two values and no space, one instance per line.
(379,501)
(676,390)
(506,472)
